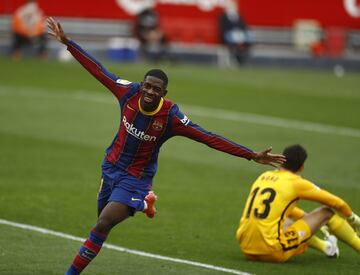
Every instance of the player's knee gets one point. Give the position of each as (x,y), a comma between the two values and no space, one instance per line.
(103,226)
(326,211)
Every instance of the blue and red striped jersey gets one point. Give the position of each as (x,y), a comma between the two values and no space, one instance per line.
(136,145)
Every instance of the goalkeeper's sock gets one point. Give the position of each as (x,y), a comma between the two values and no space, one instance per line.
(317,243)
(344,232)
(87,252)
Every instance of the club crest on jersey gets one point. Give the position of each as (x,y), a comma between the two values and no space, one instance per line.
(158,125)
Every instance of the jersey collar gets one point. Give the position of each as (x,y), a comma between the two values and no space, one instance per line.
(153,112)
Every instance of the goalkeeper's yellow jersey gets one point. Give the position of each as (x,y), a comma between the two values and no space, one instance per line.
(273,197)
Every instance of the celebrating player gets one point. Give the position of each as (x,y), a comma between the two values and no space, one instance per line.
(147,121)
(267,231)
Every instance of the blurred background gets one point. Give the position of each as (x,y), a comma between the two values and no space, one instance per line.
(295,33)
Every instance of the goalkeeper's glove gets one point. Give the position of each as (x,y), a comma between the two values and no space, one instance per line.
(354,221)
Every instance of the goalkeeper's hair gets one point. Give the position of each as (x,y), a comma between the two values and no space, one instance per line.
(158,74)
(295,157)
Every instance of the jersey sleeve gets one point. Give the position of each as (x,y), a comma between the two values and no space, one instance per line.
(183,126)
(308,190)
(119,87)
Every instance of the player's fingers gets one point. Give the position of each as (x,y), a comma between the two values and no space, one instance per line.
(50,25)
(59,27)
(51,33)
(277,156)
(50,21)
(280,158)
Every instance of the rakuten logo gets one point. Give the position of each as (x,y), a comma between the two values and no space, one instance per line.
(130,128)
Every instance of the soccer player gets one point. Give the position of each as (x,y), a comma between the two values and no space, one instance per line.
(147,121)
(273,229)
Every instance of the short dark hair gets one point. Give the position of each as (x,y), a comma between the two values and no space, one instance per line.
(295,157)
(158,74)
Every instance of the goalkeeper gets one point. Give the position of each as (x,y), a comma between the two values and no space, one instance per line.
(273,229)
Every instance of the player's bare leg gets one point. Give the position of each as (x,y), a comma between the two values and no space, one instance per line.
(315,220)
(328,246)
(112,214)
(318,217)
(337,225)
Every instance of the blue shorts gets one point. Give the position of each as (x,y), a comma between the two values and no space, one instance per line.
(127,190)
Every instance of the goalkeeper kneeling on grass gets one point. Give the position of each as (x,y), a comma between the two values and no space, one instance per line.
(273,229)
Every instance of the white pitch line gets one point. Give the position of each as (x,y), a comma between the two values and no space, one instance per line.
(121,249)
(206,112)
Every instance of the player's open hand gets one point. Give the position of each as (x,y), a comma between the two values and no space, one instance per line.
(56,30)
(264,157)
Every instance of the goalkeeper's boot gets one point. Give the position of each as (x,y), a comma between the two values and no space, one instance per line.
(332,249)
(150,199)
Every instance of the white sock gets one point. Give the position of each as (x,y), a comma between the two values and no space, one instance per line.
(145,206)
(331,246)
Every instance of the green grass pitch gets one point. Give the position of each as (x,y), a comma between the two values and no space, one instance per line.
(56,121)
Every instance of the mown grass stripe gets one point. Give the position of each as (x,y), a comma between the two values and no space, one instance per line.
(206,112)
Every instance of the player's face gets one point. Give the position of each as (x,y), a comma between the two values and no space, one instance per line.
(153,90)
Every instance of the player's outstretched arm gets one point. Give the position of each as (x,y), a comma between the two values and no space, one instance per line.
(264,157)
(89,62)
(56,30)
(183,126)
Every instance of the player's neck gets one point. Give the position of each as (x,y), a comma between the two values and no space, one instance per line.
(289,171)
(152,110)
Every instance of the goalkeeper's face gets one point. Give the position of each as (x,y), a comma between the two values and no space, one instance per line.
(152,90)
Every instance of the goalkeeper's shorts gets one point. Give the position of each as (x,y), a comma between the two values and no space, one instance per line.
(293,241)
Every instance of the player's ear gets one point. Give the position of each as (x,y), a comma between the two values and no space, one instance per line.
(165,92)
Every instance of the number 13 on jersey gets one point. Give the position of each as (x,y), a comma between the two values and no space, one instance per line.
(267,196)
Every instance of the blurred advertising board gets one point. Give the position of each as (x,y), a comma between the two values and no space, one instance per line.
(341,13)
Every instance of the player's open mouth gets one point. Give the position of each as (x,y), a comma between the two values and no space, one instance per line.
(148,99)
